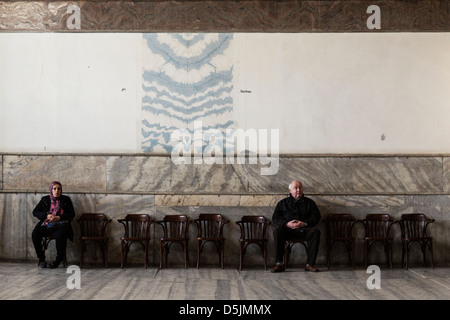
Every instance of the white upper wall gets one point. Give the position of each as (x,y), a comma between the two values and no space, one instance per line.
(325,92)
(69,92)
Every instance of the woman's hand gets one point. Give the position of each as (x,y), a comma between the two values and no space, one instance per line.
(53,218)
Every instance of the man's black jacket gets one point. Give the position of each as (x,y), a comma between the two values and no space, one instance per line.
(304,209)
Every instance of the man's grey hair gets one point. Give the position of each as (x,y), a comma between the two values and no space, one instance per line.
(290,184)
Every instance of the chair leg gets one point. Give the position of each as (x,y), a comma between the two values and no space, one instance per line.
(146,254)
(81,253)
(199,243)
(45,242)
(389,253)
(265,255)
(241,256)
(122,250)
(186,255)
(328,255)
(352,243)
(430,246)
(403,254)
(127,249)
(161,254)
(287,253)
(219,251)
(166,255)
(406,255)
(348,246)
(105,253)
(423,246)
(222,253)
(366,253)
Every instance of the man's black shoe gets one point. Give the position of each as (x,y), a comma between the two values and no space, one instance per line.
(279,268)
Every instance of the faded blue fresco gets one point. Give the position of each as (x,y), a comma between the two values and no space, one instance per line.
(181,84)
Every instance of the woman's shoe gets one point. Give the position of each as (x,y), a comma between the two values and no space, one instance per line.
(53,265)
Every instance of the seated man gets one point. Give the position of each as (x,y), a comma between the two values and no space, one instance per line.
(296,217)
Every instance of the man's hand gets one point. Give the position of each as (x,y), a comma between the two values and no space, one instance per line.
(295,224)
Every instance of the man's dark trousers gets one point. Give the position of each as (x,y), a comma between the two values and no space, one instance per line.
(310,235)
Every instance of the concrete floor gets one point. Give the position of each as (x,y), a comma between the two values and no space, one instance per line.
(25,281)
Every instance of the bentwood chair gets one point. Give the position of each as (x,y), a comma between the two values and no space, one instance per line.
(378,229)
(414,230)
(288,248)
(137,230)
(175,230)
(253,231)
(210,229)
(45,242)
(93,229)
(339,229)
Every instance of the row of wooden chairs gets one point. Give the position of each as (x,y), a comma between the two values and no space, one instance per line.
(377,229)
(175,231)
(137,230)
(339,228)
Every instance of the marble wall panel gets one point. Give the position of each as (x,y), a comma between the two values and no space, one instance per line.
(1,172)
(13,226)
(160,174)
(398,175)
(359,206)
(83,202)
(440,231)
(320,175)
(198,200)
(446,174)
(35,173)
(352,175)
(436,206)
(144,174)
(224,16)
(260,200)
(423,16)
(138,174)
(196,178)
(23,15)
(395,15)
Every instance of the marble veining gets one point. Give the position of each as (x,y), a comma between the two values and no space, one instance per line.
(36,172)
(381,175)
(225,16)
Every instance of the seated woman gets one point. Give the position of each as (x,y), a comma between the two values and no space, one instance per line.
(55,213)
